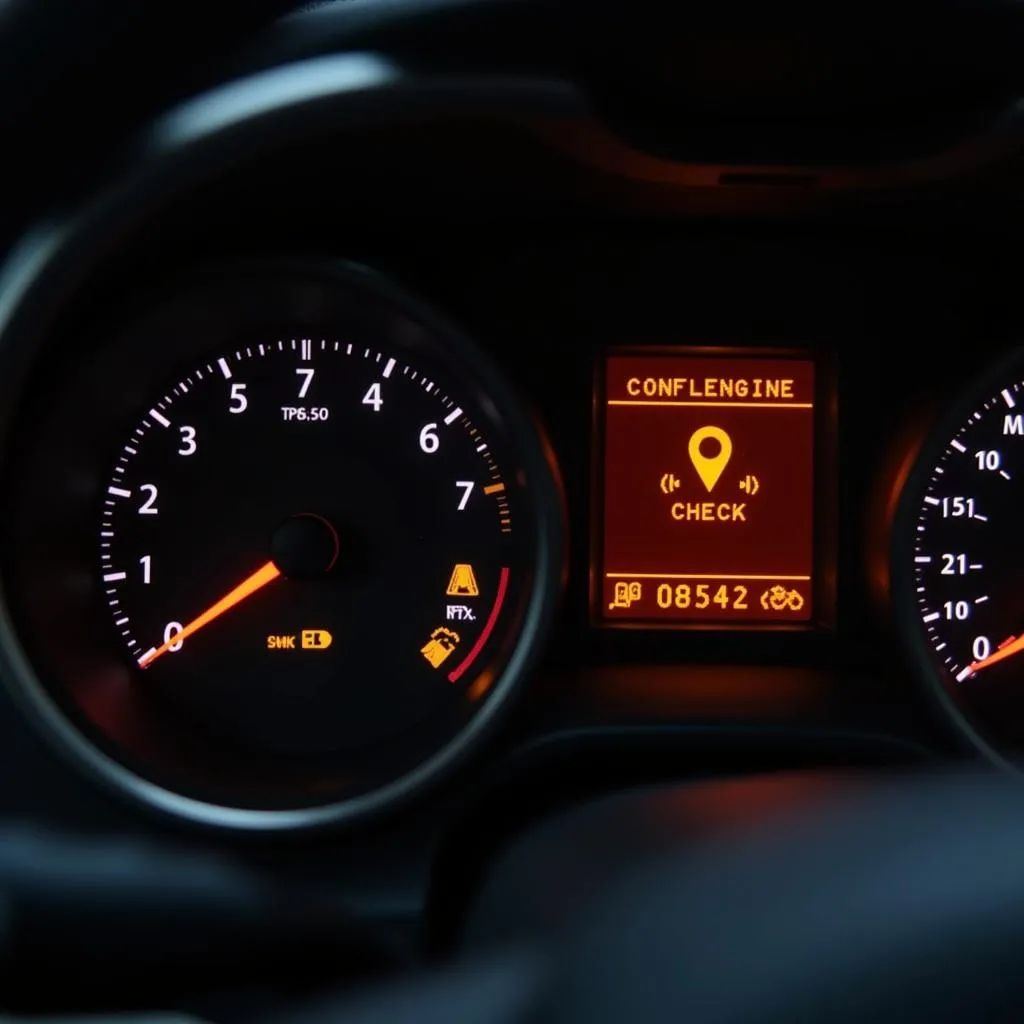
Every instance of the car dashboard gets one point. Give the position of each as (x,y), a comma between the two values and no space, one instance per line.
(393,452)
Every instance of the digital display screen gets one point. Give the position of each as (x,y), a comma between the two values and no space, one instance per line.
(708,503)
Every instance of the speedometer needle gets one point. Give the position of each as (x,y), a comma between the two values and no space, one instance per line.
(999,654)
(259,579)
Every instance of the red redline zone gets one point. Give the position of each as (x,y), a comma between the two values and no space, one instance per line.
(485,634)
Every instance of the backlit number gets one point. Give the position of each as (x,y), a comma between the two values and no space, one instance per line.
(954,508)
(171,630)
(307,377)
(429,440)
(954,565)
(188,441)
(467,489)
(990,460)
(148,507)
(959,610)
(239,403)
(681,596)
(372,397)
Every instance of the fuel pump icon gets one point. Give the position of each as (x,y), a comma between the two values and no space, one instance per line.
(625,593)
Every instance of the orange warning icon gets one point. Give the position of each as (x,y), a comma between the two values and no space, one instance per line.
(463,582)
(441,644)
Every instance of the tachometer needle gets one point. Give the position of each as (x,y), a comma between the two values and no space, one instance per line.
(259,579)
(1007,650)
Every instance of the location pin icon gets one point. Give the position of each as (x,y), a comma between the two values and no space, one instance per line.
(710,469)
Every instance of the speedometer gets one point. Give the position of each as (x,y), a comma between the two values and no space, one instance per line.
(958,561)
(280,546)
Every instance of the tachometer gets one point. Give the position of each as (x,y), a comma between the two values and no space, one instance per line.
(324,538)
(306,543)
(958,563)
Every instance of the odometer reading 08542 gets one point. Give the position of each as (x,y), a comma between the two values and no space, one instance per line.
(959,531)
(306,544)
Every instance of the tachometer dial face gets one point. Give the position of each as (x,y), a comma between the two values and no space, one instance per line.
(296,539)
(959,565)
(306,544)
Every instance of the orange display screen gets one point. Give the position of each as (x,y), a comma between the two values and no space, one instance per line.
(708,503)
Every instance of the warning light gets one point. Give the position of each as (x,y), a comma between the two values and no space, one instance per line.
(316,639)
(463,582)
(710,468)
(440,645)
(307,640)
(709,489)
(779,599)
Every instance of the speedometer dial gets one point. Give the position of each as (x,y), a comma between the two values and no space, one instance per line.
(958,562)
(296,539)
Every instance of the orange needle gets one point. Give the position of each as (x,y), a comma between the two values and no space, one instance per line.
(260,578)
(998,655)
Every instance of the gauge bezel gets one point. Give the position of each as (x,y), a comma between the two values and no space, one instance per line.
(911,495)
(59,261)
(544,514)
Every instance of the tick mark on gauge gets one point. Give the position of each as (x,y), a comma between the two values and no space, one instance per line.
(932,501)
(453,416)
(388,367)
(113,577)
(932,617)
(160,418)
(963,674)
(981,600)
(957,445)
(1004,474)
(119,492)
(224,368)
(923,559)
(980,517)
(1007,398)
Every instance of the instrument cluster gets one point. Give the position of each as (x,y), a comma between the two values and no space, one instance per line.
(310,504)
